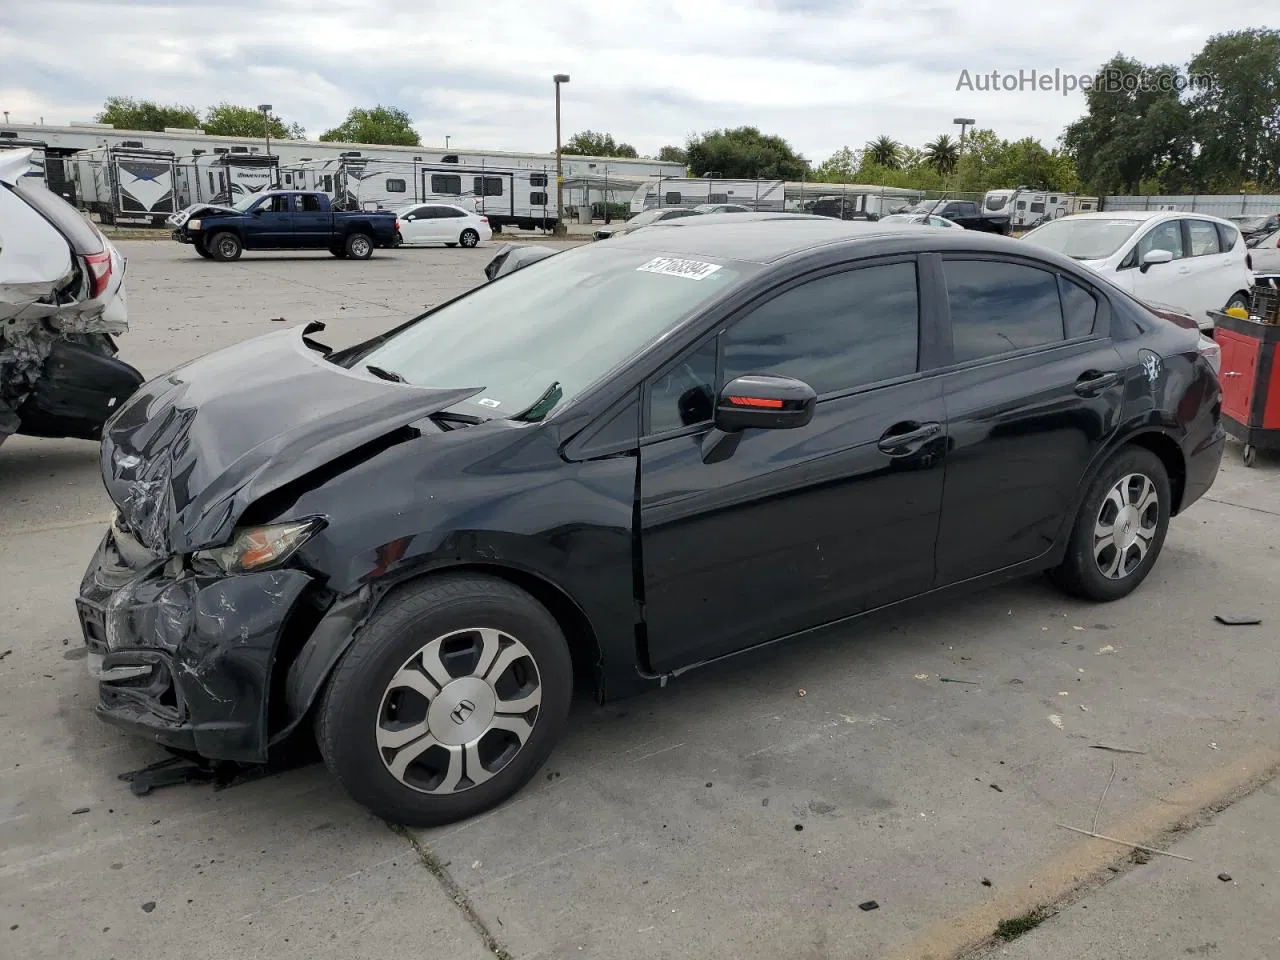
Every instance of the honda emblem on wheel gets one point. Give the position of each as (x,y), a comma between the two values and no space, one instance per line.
(462,712)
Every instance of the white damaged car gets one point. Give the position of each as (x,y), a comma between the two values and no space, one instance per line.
(62,300)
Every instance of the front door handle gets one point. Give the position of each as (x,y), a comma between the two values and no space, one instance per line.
(904,439)
(1092,382)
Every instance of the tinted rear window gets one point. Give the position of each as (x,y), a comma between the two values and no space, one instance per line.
(82,236)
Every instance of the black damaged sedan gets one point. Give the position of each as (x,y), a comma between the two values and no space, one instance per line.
(613,465)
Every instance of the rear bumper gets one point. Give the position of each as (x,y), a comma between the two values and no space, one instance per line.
(181,659)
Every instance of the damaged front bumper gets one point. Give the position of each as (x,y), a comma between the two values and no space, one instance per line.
(182,658)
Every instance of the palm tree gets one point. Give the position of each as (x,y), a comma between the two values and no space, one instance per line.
(884,152)
(943,154)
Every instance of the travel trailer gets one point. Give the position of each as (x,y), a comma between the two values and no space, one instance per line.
(508,196)
(225,176)
(1030,208)
(127,184)
(767,195)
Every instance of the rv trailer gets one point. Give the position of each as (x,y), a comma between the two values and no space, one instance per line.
(225,176)
(1028,208)
(766,195)
(508,196)
(127,184)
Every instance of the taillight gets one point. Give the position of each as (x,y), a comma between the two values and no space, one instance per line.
(99,265)
(1212,352)
(484,219)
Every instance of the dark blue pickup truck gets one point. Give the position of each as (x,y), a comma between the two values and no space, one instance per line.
(283,220)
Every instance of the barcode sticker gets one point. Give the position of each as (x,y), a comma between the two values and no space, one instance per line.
(674,267)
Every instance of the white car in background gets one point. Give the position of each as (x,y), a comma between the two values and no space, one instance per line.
(444,223)
(922,220)
(1190,261)
(62,298)
(1264,252)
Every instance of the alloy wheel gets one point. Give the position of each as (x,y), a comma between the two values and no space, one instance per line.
(360,248)
(458,710)
(228,247)
(1126,526)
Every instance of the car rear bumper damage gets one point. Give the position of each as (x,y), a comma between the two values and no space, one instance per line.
(181,658)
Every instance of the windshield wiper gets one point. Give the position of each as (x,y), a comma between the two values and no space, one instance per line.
(385,374)
(542,406)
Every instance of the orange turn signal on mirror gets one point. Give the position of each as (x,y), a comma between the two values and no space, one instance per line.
(755,402)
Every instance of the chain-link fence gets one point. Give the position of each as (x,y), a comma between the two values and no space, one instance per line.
(1218,205)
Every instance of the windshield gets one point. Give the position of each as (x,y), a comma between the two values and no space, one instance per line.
(245,202)
(1083,239)
(539,336)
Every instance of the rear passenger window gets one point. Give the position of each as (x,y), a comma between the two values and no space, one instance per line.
(842,331)
(1227,236)
(1000,307)
(1079,309)
(1204,238)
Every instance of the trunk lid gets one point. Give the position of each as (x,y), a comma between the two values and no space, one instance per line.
(191,450)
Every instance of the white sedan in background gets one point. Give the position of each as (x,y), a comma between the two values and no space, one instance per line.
(1264,251)
(1191,261)
(442,223)
(922,220)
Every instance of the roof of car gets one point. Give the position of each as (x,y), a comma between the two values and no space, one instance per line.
(768,237)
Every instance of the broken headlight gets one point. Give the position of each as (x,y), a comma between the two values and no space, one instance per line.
(260,548)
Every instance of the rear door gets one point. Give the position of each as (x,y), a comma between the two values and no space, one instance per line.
(1034,389)
(312,223)
(783,530)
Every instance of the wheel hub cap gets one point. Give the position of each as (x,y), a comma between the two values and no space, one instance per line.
(1126,526)
(462,711)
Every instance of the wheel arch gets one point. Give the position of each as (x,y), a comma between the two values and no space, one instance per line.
(309,669)
(1170,453)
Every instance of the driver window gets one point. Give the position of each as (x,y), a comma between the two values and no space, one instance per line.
(685,394)
(1167,236)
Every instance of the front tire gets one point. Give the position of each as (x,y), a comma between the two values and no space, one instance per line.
(447,702)
(225,247)
(1120,529)
(358,246)
(201,250)
(1238,299)
(469,238)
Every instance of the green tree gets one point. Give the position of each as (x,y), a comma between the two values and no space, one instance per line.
(1128,136)
(1236,117)
(840,167)
(673,154)
(376,125)
(126,113)
(590,143)
(884,152)
(942,154)
(745,153)
(231,120)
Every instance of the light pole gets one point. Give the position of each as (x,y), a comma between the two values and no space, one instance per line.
(560,229)
(446,141)
(265,110)
(963,123)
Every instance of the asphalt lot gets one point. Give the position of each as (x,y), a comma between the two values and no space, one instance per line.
(741,812)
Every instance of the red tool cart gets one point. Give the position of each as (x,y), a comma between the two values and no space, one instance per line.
(1251,370)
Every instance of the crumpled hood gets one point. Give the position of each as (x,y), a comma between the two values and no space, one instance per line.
(188,453)
(202,209)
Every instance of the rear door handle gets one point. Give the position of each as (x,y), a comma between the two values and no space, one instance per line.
(908,438)
(1092,382)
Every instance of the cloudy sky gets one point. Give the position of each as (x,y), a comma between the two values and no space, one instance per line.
(821,73)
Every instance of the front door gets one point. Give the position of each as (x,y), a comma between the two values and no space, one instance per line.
(774,531)
(270,222)
(1160,282)
(1035,389)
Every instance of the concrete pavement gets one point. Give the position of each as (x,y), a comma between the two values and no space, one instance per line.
(724,816)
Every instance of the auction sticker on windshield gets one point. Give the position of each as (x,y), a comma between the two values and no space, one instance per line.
(674,267)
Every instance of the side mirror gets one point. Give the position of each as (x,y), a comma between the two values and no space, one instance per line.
(764,402)
(1156,256)
(259,211)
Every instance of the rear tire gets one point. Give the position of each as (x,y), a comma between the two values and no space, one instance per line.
(469,238)
(486,644)
(358,246)
(225,246)
(1120,529)
(1238,299)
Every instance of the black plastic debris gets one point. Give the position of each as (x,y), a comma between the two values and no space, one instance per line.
(148,906)
(4,653)
(1237,619)
(181,768)
(1224,877)
(79,810)
(997,788)
(869,905)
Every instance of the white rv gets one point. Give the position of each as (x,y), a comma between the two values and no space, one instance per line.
(127,184)
(224,177)
(691,191)
(1028,208)
(508,196)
